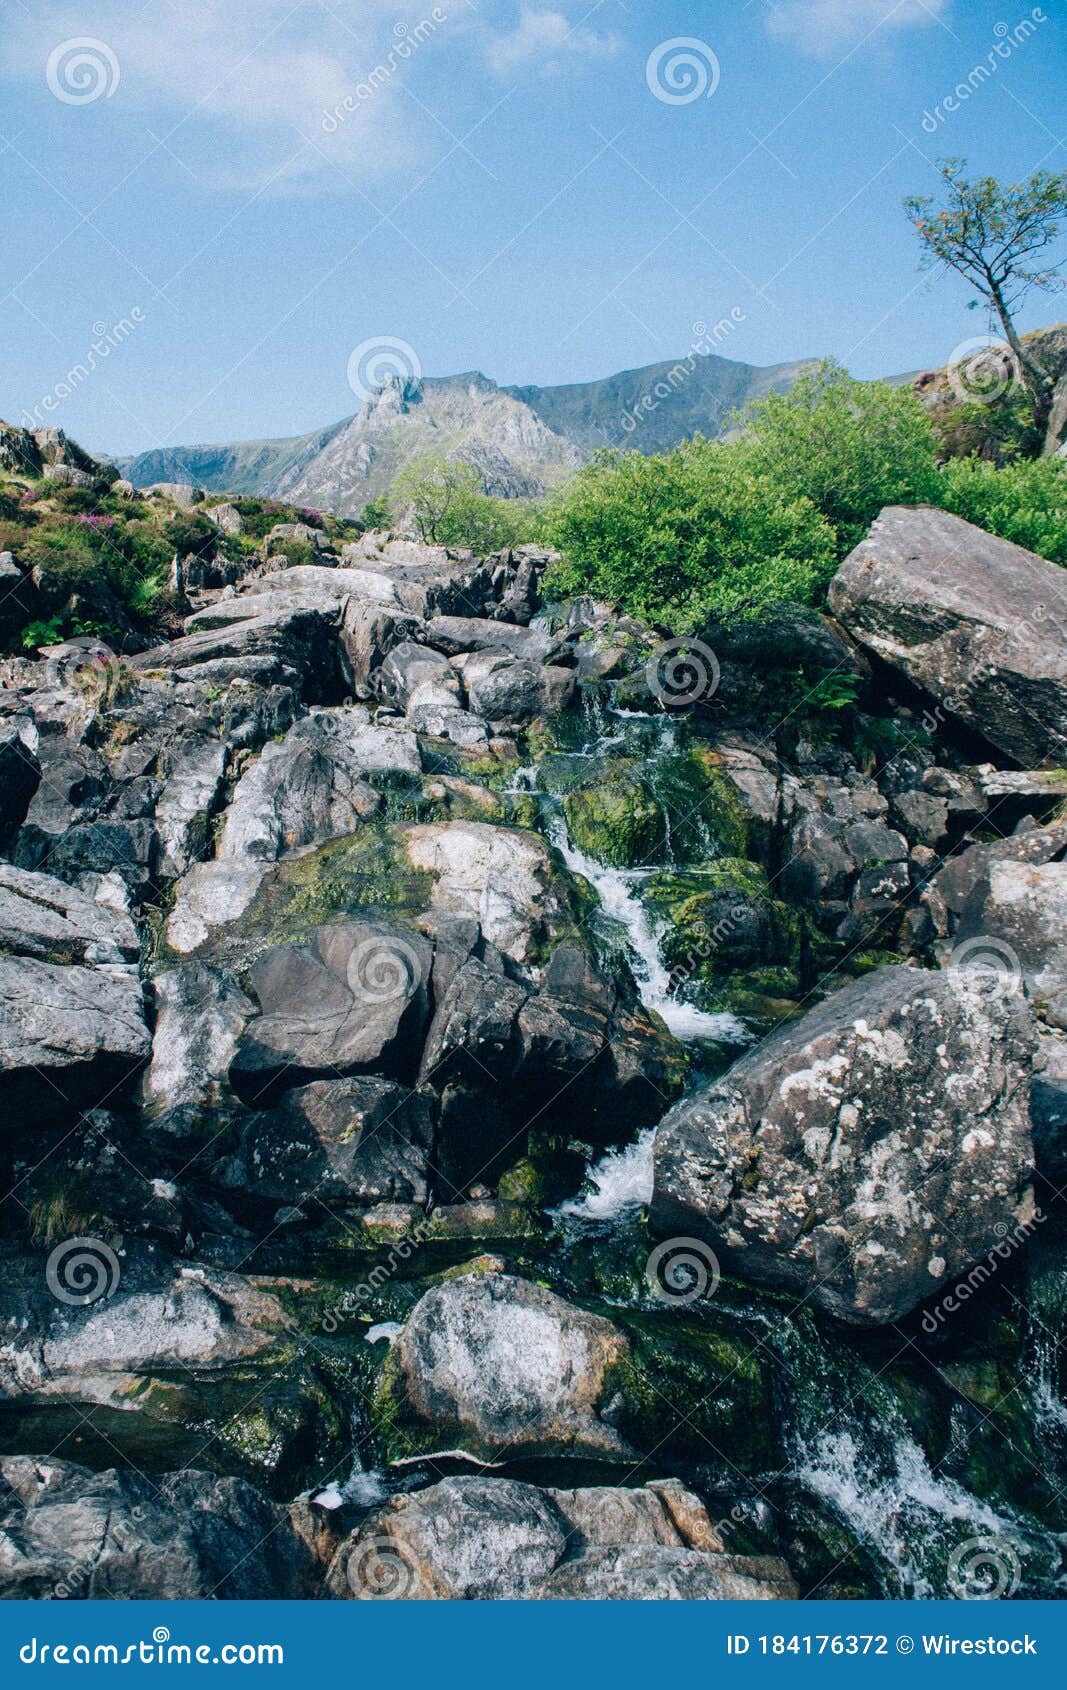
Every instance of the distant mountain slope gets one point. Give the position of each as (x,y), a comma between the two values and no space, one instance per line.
(522,440)
(655,407)
(247,466)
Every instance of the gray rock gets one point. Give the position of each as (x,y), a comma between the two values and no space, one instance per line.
(20,776)
(511,690)
(68,1533)
(503,877)
(866,1154)
(210,896)
(200,1016)
(194,775)
(645,1573)
(226,518)
(1022,908)
(44,918)
(456,634)
(497,1365)
(179,493)
(348,1142)
(312,787)
(973,620)
(92,1335)
(68,1035)
(488,1539)
(353,999)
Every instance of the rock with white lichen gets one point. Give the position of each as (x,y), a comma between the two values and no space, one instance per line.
(868,1153)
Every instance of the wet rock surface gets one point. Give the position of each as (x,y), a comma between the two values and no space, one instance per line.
(356,939)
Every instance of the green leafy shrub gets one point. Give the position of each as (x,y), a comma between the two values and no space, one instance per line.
(691,536)
(1025,501)
(444,499)
(849,446)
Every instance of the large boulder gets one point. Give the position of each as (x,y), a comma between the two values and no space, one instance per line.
(347,1142)
(495,1365)
(66,1532)
(866,1155)
(352,1000)
(973,620)
(1018,914)
(88,1326)
(501,876)
(486,1539)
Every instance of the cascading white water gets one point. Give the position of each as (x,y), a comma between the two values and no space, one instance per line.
(897,1508)
(621,1180)
(618,891)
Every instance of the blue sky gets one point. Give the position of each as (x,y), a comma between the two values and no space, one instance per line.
(256,189)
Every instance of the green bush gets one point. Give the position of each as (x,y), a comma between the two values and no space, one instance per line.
(443,498)
(849,446)
(689,537)
(1025,501)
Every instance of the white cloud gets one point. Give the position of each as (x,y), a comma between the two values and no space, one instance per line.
(247,79)
(544,38)
(830,26)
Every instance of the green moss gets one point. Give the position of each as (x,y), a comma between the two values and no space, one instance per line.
(618,822)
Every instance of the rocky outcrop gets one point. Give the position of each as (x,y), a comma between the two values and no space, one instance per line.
(68,1533)
(485,1539)
(494,1365)
(72,1025)
(867,1154)
(974,621)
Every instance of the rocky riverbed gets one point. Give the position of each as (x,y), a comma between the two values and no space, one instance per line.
(500,1103)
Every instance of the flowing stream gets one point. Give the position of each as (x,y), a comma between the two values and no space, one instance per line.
(852,1450)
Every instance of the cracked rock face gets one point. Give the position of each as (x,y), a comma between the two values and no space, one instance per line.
(68,1533)
(866,1155)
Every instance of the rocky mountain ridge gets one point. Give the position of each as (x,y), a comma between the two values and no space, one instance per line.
(521,439)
